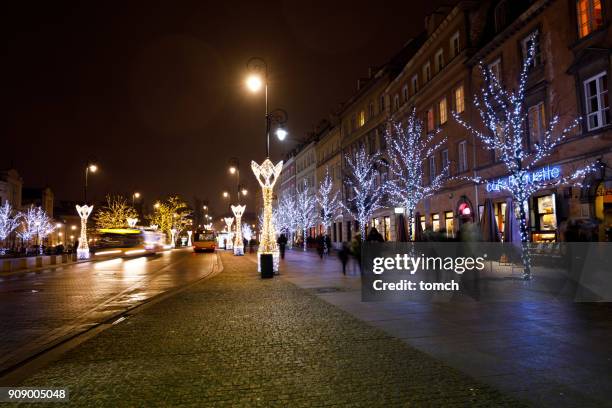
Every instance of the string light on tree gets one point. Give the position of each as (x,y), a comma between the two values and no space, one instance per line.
(329,202)
(503,112)
(305,210)
(365,193)
(9,221)
(408,150)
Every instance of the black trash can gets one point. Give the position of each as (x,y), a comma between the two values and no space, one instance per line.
(267,266)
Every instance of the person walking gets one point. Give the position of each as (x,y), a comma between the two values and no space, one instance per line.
(343,254)
(320,246)
(282,244)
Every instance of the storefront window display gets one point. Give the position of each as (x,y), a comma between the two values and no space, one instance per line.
(387,228)
(544,221)
(449,224)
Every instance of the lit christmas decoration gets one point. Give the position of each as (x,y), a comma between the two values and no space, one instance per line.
(365,194)
(267,174)
(9,221)
(132,222)
(504,112)
(83,248)
(408,148)
(189,237)
(247,232)
(329,202)
(208,226)
(238,210)
(286,215)
(228,222)
(173,238)
(306,214)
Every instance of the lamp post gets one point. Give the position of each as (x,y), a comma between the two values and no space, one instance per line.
(90,167)
(267,173)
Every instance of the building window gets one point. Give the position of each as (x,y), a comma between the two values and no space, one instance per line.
(495,70)
(459,99)
(382,103)
(501,11)
(432,168)
(430,120)
(427,72)
(449,224)
(439,60)
(361,118)
(415,84)
(462,156)
(442,111)
(596,99)
(445,162)
(387,228)
(353,123)
(396,103)
(589,16)
(405,93)
(435,222)
(454,45)
(371,110)
(526,44)
(537,123)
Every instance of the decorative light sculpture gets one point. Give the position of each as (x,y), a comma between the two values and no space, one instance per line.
(189,239)
(264,173)
(238,210)
(173,237)
(83,248)
(228,222)
(208,226)
(132,222)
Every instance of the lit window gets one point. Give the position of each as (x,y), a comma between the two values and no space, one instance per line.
(439,60)
(442,111)
(495,70)
(596,100)
(415,84)
(426,72)
(449,224)
(462,153)
(454,45)
(361,118)
(537,122)
(589,16)
(430,120)
(459,100)
(435,222)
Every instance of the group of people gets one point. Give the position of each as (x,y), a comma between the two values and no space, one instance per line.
(323,246)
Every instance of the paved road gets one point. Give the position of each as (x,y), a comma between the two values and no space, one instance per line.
(237,340)
(39,309)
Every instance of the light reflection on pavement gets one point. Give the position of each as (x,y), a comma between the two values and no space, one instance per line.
(38,309)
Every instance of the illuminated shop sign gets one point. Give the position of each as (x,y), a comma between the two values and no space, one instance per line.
(545,174)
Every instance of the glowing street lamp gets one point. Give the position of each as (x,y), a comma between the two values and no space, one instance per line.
(254,83)
(89,168)
(225,194)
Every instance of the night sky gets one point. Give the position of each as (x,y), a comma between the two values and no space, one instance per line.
(155,90)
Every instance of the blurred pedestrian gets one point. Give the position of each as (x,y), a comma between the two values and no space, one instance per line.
(320,246)
(282,244)
(343,254)
(374,236)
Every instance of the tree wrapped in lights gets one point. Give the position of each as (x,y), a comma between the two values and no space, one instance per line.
(172,213)
(115,213)
(365,195)
(306,214)
(287,216)
(267,174)
(247,232)
(329,203)
(503,112)
(36,224)
(9,221)
(238,210)
(408,149)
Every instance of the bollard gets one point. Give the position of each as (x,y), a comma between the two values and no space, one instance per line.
(39,261)
(52,259)
(267,266)
(64,258)
(6,265)
(22,263)
(73,257)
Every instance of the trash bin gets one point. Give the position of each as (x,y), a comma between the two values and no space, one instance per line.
(267,266)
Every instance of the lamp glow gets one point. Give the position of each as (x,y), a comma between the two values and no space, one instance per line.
(281,134)
(254,83)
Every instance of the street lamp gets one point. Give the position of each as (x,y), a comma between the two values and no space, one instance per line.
(90,167)
(135,196)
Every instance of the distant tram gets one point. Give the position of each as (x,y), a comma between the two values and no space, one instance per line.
(128,242)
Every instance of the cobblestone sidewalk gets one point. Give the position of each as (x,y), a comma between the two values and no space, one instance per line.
(237,340)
